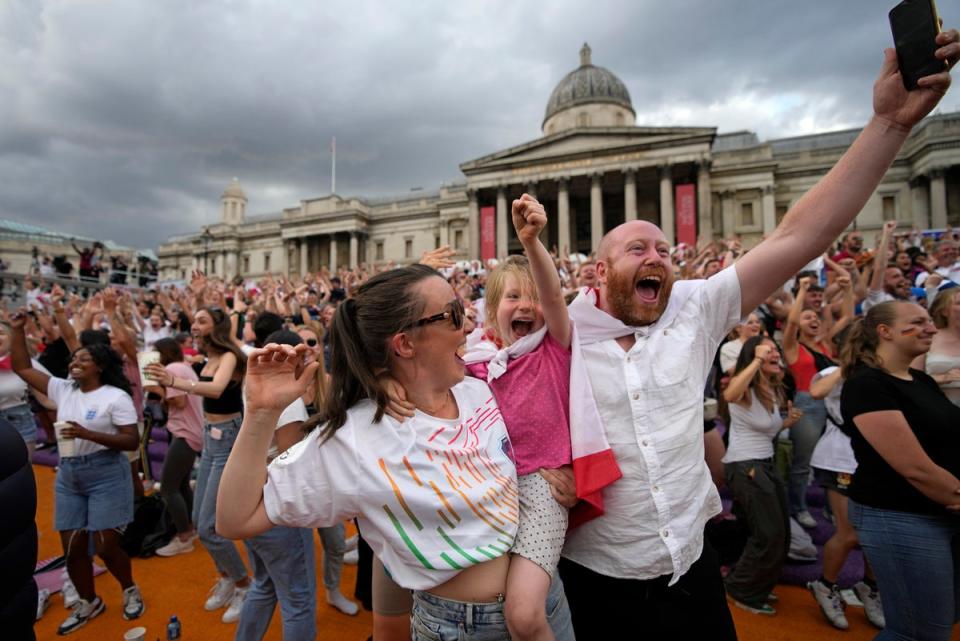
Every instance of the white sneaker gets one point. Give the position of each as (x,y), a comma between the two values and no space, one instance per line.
(83,611)
(69,591)
(352,557)
(220,594)
(236,605)
(351,543)
(175,547)
(133,606)
(805,519)
(871,604)
(830,604)
(342,603)
(43,602)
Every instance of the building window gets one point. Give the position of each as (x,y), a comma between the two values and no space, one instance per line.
(889,207)
(781,212)
(183,274)
(408,248)
(266,262)
(378,252)
(458,239)
(246,264)
(746,215)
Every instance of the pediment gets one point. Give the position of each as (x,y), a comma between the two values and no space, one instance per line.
(589,142)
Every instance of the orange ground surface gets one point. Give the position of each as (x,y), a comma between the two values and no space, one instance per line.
(179,585)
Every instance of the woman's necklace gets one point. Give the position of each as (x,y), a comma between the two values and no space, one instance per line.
(443,405)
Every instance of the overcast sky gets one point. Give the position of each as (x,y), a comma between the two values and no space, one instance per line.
(125,119)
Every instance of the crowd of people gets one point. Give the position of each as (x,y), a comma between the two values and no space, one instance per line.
(523,444)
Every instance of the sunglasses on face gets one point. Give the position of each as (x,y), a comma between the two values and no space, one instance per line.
(454,312)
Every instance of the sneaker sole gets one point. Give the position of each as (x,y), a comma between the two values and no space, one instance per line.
(749,608)
(824,612)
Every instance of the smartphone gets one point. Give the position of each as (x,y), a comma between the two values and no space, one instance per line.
(915,24)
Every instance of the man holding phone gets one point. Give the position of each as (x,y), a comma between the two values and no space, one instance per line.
(643,569)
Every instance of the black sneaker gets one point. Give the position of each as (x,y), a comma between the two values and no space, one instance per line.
(83,611)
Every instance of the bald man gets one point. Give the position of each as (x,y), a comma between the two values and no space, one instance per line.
(642,569)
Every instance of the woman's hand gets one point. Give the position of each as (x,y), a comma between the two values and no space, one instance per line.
(440,258)
(398,407)
(75,430)
(276,376)
(562,485)
(529,218)
(793,415)
(158,373)
(762,351)
(891,100)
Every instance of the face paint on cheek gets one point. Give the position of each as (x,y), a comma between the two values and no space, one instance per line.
(910,331)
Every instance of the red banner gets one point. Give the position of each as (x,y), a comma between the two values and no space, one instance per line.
(488,233)
(685,201)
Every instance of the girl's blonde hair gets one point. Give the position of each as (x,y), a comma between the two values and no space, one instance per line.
(517,266)
(863,339)
(940,310)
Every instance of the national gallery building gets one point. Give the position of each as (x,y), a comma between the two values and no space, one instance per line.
(593,169)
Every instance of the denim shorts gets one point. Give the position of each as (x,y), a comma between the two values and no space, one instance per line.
(94,492)
(21,417)
(437,619)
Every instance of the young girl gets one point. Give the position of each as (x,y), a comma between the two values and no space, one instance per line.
(524,355)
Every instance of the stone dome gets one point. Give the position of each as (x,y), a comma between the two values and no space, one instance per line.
(234,190)
(588,85)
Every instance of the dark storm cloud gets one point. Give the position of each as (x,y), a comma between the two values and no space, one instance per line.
(125,119)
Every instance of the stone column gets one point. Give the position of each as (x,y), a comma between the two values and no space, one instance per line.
(920,203)
(354,249)
(704,201)
(629,194)
(231,267)
(667,215)
(333,254)
(938,199)
(501,223)
(728,213)
(531,188)
(473,208)
(444,233)
(303,251)
(563,216)
(769,210)
(596,211)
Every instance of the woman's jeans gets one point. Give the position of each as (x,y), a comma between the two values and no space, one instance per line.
(218,439)
(334,545)
(21,417)
(805,433)
(175,483)
(436,619)
(916,558)
(283,569)
(761,497)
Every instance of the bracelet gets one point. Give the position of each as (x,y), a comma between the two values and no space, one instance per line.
(193,385)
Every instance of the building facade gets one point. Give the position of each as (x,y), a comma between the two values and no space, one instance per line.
(593,169)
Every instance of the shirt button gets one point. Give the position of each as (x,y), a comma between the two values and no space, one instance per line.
(666,534)
(656,488)
(643,443)
(636,397)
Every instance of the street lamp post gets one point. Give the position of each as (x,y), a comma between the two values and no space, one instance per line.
(207,237)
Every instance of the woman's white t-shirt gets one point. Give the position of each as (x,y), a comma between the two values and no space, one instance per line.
(99,411)
(752,430)
(13,389)
(433,496)
(833,451)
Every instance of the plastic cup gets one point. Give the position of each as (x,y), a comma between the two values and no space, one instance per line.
(66,445)
(135,634)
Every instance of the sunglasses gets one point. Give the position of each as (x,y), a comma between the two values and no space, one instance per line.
(454,312)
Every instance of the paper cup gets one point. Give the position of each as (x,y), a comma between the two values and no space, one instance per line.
(135,634)
(144,359)
(66,445)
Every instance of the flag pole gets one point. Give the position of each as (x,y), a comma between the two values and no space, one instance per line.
(333,166)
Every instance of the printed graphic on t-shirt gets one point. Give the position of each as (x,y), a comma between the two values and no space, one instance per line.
(91,414)
(455,476)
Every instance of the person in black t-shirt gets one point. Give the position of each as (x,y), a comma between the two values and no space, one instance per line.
(905,494)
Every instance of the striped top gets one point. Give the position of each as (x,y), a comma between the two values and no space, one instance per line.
(433,496)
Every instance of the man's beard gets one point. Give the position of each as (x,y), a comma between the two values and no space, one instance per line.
(622,296)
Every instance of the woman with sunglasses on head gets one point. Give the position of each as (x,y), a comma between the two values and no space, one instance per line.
(94,496)
(436,495)
(220,384)
(905,494)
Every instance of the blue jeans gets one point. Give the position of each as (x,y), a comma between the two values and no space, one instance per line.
(283,569)
(212,461)
(436,619)
(21,417)
(334,544)
(805,433)
(93,492)
(916,558)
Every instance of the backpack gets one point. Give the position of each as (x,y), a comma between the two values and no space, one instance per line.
(151,528)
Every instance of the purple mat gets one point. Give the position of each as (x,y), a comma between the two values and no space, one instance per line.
(52,580)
